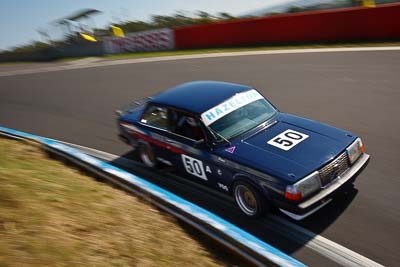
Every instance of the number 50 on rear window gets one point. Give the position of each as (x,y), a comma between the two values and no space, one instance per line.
(287,139)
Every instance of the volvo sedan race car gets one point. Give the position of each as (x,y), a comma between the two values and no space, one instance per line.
(229,137)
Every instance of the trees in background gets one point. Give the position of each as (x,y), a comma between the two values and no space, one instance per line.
(178,19)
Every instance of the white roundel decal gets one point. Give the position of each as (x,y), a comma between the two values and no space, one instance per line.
(287,139)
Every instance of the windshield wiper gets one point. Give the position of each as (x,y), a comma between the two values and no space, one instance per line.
(219,135)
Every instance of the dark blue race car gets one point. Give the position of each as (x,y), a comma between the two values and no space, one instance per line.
(229,137)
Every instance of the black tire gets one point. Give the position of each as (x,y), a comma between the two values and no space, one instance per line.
(147,155)
(249,200)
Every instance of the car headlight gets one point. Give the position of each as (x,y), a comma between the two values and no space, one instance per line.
(355,150)
(304,187)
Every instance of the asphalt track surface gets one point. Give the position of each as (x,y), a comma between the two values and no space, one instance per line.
(357,91)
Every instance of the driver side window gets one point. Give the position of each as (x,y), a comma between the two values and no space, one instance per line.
(187,126)
(155,116)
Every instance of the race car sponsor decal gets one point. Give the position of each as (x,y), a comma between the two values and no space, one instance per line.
(287,139)
(208,169)
(232,104)
(223,187)
(194,166)
(230,149)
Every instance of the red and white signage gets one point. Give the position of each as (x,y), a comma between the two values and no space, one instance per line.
(154,40)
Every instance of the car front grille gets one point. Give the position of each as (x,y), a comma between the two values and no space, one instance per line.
(333,169)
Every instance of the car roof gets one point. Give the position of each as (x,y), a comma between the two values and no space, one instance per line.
(198,96)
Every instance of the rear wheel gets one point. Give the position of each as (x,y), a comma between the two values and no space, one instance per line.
(147,155)
(249,200)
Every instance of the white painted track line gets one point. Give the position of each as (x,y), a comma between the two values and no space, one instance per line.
(91,64)
(84,61)
(320,244)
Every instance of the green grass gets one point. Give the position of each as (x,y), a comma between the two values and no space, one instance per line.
(53,215)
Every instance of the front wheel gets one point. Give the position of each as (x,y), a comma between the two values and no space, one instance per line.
(249,200)
(147,155)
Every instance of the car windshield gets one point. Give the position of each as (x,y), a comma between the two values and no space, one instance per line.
(238,114)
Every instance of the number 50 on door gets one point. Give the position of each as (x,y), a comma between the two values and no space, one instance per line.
(194,166)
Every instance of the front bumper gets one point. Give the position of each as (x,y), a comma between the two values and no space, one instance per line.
(316,202)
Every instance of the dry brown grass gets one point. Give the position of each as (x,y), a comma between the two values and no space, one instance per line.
(52,215)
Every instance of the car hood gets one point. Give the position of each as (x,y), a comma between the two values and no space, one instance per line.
(323,143)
